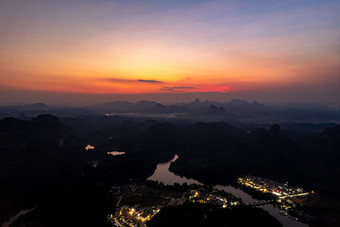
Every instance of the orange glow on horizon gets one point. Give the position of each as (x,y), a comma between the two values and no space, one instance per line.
(109,47)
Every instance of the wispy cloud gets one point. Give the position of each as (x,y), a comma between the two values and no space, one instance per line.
(150,81)
(121,80)
(176,88)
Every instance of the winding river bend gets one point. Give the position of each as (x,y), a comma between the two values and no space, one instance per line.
(162,174)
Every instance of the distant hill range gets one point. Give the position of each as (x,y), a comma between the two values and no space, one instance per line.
(232,111)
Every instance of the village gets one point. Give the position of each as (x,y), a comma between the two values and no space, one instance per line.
(287,198)
(138,204)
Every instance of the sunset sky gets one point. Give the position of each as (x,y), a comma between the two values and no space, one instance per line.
(273,51)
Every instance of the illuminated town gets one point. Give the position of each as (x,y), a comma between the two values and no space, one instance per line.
(285,197)
(282,191)
(214,197)
(137,204)
(143,202)
(136,216)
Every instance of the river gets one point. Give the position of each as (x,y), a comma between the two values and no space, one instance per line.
(162,174)
(15,217)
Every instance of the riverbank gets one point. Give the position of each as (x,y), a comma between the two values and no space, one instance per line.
(161,173)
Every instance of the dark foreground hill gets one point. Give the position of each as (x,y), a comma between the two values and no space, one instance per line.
(43,162)
(203,215)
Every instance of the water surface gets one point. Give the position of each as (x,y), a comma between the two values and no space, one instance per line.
(115,153)
(89,147)
(13,218)
(163,174)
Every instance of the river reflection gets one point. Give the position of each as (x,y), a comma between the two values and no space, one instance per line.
(246,198)
(115,153)
(162,174)
(12,219)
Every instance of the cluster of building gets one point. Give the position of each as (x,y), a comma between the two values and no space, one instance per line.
(288,198)
(132,216)
(149,202)
(204,196)
(281,190)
